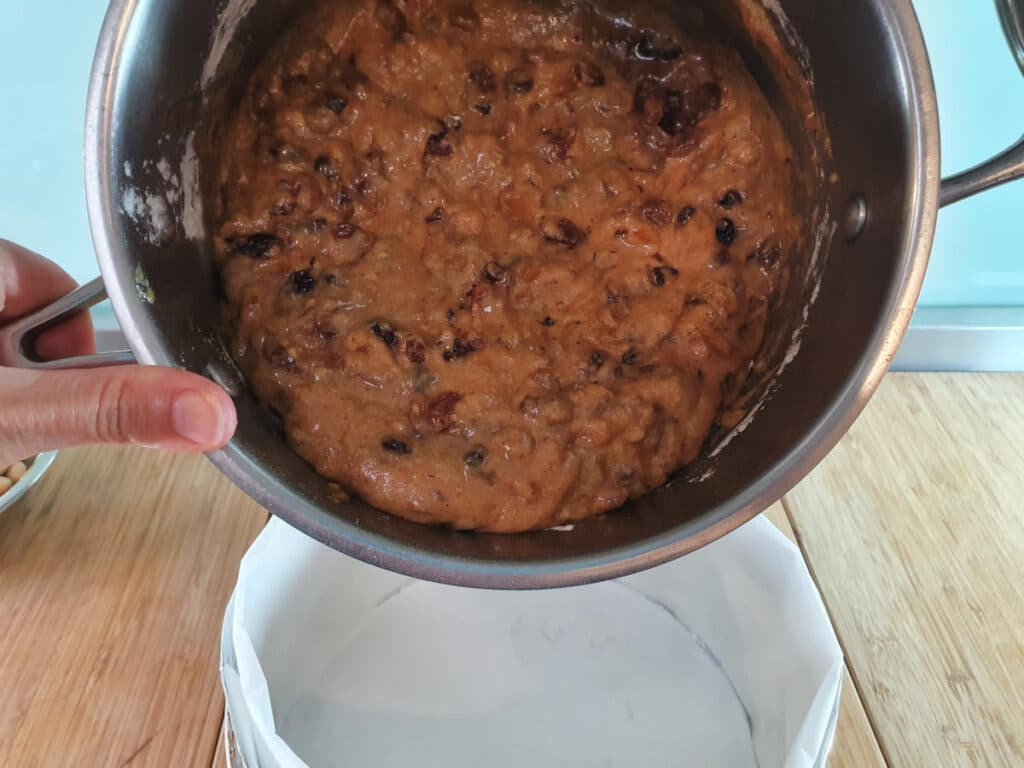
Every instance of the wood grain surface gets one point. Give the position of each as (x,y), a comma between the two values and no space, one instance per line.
(114,574)
(112,593)
(914,529)
(855,745)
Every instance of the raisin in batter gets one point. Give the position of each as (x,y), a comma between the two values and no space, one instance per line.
(499,265)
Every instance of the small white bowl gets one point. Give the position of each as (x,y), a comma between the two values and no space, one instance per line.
(36,468)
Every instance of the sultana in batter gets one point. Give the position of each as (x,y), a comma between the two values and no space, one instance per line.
(500,265)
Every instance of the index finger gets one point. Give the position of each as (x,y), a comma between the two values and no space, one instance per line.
(29,282)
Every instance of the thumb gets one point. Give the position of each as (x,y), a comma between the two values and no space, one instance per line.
(159,407)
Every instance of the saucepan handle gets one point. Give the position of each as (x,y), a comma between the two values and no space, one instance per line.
(17,340)
(1008,165)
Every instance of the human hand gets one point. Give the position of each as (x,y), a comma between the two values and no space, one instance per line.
(45,410)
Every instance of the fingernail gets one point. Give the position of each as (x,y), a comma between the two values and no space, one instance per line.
(197,418)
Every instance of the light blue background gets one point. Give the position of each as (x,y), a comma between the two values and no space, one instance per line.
(46,50)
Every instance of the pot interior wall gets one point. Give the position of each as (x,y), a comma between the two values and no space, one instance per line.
(863,93)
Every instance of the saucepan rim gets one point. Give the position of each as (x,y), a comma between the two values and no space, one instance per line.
(113,254)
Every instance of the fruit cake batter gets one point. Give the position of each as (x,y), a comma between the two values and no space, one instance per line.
(500,265)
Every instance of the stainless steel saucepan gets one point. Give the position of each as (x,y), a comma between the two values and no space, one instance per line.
(164,76)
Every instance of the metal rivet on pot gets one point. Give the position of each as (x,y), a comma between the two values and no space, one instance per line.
(856,218)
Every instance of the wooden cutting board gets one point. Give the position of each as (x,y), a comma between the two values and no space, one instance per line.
(115,571)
